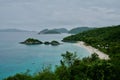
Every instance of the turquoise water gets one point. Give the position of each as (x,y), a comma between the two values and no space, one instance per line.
(16,58)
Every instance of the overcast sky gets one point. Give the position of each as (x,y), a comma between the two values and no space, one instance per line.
(41,14)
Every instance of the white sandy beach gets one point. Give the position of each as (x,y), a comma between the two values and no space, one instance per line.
(93,50)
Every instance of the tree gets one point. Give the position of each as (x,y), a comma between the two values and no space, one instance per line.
(94,57)
(68,58)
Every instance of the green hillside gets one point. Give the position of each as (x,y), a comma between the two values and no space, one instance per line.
(79,29)
(53,31)
(106,39)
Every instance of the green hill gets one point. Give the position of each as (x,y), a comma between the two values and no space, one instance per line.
(53,31)
(46,31)
(106,39)
(102,38)
(79,29)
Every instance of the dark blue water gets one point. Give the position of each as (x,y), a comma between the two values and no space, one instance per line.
(16,58)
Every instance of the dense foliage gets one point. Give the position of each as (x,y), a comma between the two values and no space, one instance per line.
(73,68)
(54,43)
(106,39)
(32,41)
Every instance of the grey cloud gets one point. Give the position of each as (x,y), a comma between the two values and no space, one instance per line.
(58,13)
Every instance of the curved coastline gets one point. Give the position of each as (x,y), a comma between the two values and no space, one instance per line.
(92,50)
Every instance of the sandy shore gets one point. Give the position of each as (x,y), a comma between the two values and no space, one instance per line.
(93,50)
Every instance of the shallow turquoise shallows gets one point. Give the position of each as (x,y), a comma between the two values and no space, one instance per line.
(16,58)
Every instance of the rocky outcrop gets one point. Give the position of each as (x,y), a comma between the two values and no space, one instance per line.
(31,41)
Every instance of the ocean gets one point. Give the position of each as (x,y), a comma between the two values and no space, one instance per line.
(17,58)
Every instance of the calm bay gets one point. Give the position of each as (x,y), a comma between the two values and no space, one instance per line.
(16,58)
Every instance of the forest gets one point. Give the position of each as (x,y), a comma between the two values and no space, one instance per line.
(106,39)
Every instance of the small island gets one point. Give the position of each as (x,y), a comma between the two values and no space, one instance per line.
(47,43)
(53,31)
(55,43)
(46,31)
(31,41)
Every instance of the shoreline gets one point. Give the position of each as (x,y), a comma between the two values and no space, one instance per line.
(92,50)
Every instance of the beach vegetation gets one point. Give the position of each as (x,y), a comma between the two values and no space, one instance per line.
(106,39)
(73,68)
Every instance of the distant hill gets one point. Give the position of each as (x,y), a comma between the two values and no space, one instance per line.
(64,30)
(12,30)
(53,31)
(61,30)
(79,29)
(43,31)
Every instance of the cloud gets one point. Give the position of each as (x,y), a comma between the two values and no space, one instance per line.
(58,13)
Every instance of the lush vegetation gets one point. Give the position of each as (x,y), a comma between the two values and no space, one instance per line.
(47,43)
(54,43)
(73,68)
(89,68)
(106,39)
(31,41)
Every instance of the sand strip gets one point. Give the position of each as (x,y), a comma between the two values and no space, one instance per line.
(93,50)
